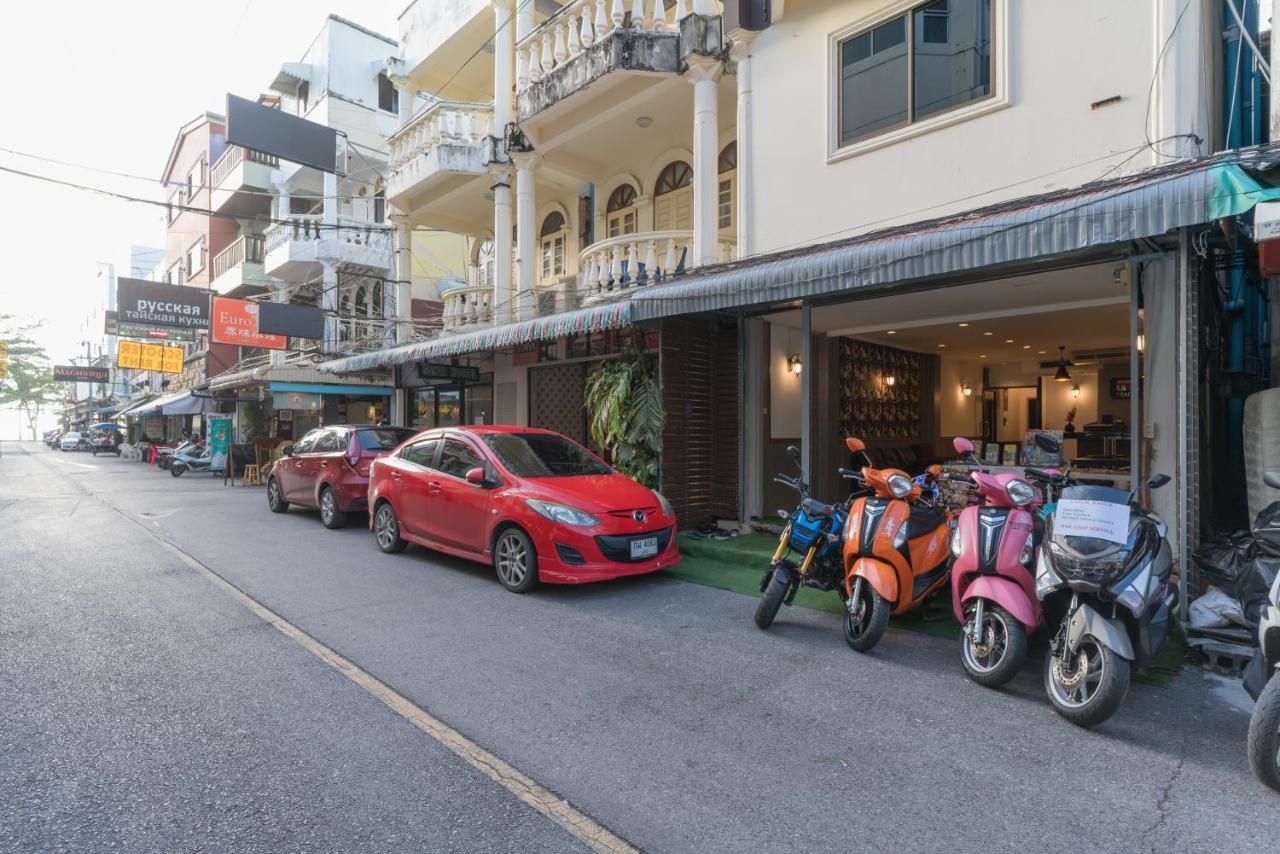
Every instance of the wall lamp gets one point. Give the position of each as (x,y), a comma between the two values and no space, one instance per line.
(890,380)
(793,364)
(966,389)
(1075,390)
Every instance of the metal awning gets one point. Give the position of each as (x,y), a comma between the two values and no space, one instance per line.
(1144,205)
(334,388)
(135,409)
(287,373)
(290,77)
(178,403)
(596,318)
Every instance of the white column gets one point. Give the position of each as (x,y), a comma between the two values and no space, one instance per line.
(407,94)
(503,58)
(526,232)
(329,281)
(745,209)
(402,313)
(703,73)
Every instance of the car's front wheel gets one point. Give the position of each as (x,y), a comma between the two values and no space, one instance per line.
(515,561)
(330,515)
(275,498)
(386,530)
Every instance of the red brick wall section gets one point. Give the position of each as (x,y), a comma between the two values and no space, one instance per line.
(699,374)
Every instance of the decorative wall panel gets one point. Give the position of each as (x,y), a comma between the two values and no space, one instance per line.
(871,408)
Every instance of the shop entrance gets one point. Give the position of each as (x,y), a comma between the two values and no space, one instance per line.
(990,361)
(453,404)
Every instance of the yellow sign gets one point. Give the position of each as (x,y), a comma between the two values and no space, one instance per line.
(149,357)
(4,369)
(4,349)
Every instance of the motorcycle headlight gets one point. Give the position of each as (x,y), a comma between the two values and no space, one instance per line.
(899,485)
(663,503)
(1028,552)
(1020,492)
(956,546)
(1047,580)
(562,513)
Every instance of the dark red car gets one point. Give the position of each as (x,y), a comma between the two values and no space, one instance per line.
(329,468)
(534,504)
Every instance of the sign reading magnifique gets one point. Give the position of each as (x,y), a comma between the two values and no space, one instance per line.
(144,306)
(81,374)
(149,357)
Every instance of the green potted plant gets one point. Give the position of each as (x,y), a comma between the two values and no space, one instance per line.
(625,414)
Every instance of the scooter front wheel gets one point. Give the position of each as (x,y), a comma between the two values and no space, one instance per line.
(866,619)
(992,653)
(770,602)
(1264,735)
(176,469)
(1089,686)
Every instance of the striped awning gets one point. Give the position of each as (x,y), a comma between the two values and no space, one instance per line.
(580,321)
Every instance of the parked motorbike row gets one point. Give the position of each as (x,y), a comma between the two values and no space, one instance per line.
(1088,564)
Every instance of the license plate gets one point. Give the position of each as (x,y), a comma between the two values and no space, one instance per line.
(644,547)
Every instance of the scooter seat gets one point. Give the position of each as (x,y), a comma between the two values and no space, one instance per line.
(817,509)
(924,520)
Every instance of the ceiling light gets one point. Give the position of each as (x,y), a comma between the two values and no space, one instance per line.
(942,345)
(892,332)
(987,333)
(962,324)
(643,121)
(1042,352)
(983,356)
(1008,340)
(1062,375)
(1026,346)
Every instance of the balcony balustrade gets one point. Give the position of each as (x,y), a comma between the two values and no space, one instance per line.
(633,260)
(297,246)
(234,156)
(250,248)
(467,306)
(447,137)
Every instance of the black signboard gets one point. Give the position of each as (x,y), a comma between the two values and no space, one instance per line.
(460,373)
(262,128)
(142,306)
(81,374)
(297,321)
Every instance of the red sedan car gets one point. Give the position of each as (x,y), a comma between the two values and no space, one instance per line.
(329,468)
(535,505)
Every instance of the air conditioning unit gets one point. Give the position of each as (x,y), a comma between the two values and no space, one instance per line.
(1090,357)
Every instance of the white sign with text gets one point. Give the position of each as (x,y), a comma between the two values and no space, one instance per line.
(1102,520)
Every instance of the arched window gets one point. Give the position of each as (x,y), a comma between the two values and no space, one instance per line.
(726,185)
(362,301)
(484,263)
(673,197)
(620,213)
(553,235)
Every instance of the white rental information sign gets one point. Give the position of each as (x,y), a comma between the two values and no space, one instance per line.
(1102,520)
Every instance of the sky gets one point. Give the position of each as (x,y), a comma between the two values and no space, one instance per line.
(108,85)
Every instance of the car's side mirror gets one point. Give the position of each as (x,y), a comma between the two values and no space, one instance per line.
(476,476)
(287,450)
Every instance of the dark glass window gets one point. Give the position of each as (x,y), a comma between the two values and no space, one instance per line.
(329,441)
(458,458)
(543,455)
(383,438)
(388,97)
(307,442)
(936,57)
(421,453)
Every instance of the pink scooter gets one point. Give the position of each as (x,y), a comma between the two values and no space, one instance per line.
(993,587)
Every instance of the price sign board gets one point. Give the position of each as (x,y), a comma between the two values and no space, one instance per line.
(149,357)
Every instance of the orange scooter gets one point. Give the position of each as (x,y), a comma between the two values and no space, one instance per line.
(896,549)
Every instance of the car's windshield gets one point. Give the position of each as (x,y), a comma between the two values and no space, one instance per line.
(383,438)
(543,455)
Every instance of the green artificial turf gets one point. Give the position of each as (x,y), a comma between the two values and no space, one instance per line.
(737,564)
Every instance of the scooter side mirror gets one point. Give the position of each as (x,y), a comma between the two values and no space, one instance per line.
(1272,479)
(793,451)
(855,445)
(1158,481)
(962,446)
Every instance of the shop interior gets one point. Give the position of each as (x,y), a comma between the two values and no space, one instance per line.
(990,361)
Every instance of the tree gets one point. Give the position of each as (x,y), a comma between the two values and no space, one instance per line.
(30,386)
(625,414)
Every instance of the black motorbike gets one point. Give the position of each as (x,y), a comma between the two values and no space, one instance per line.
(1108,596)
(809,552)
(1263,685)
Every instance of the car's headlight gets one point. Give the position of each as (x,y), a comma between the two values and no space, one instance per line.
(663,503)
(562,513)
(899,485)
(1020,492)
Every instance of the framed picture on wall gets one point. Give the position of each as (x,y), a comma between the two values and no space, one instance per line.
(1009,453)
(285,414)
(1121,388)
(991,453)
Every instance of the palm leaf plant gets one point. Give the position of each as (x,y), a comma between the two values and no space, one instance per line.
(625,414)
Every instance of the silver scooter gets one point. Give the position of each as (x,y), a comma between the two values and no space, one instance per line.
(193,458)
(1263,685)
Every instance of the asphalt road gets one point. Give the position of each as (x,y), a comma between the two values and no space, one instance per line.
(149,710)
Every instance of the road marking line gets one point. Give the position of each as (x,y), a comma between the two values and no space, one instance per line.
(578,824)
